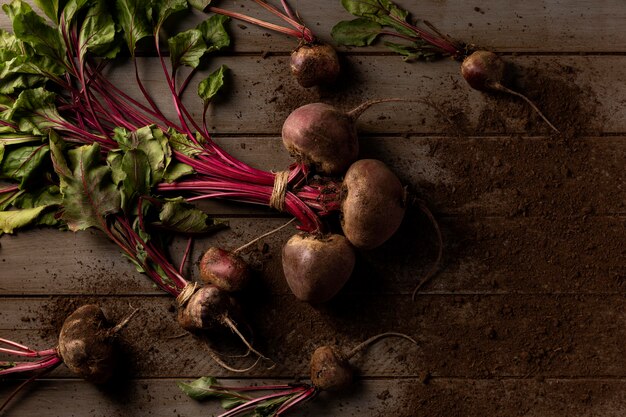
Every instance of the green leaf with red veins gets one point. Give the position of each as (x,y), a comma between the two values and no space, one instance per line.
(165,8)
(23,164)
(153,142)
(131,173)
(97,32)
(180,216)
(214,33)
(211,85)
(357,32)
(89,194)
(32,29)
(35,111)
(181,143)
(71,8)
(48,197)
(135,20)
(186,48)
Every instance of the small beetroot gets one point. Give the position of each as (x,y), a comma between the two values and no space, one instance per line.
(315,64)
(226,270)
(317,267)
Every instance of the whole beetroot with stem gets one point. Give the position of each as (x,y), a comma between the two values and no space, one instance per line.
(482,70)
(86,346)
(324,137)
(227,270)
(330,370)
(313,62)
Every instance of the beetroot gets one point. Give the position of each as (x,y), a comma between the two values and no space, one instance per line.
(485,71)
(86,346)
(209,309)
(320,135)
(330,367)
(315,64)
(317,267)
(374,203)
(226,270)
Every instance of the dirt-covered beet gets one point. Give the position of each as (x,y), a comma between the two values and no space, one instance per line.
(315,64)
(205,309)
(86,344)
(373,203)
(330,370)
(224,269)
(317,267)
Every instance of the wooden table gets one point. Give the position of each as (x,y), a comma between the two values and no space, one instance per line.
(528,314)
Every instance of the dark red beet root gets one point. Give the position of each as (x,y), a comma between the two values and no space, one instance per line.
(226,270)
(374,203)
(330,370)
(315,64)
(316,268)
(86,344)
(318,134)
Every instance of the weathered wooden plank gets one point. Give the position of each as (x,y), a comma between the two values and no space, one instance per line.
(465,336)
(577,93)
(402,398)
(532,26)
(481,256)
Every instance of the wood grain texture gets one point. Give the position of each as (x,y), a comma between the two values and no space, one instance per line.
(462,336)
(440,397)
(532,26)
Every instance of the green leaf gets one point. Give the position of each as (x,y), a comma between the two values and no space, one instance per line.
(181,143)
(131,172)
(207,387)
(134,18)
(31,28)
(374,9)
(183,217)
(187,48)
(97,32)
(48,196)
(22,164)
(153,142)
(419,51)
(214,33)
(71,9)
(199,4)
(176,170)
(165,8)
(15,219)
(89,195)
(357,32)
(35,111)
(210,86)
(231,402)
(50,8)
